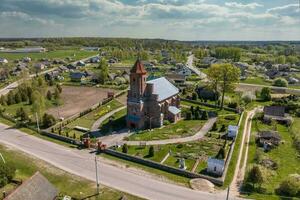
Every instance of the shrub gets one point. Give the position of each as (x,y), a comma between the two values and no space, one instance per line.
(194,96)
(255,176)
(265,94)
(125,148)
(230,117)
(48,120)
(204,115)
(214,127)
(179,146)
(223,128)
(151,151)
(248,97)
(221,154)
(280,82)
(289,187)
(233,105)
(188,116)
(7,173)
(166,122)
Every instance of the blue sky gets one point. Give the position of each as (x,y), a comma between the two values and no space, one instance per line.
(168,19)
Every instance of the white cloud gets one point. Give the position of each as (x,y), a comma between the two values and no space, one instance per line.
(24,17)
(243,6)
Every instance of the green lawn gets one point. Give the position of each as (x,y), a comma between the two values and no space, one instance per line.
(257,81)
(66,183)
(285,155)
(183,128)
(118,122)
(89,119)
(74,54)
(190,151)
(217,110)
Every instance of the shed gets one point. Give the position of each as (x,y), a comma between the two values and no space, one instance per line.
(232,131)
(36,187)
(215,166)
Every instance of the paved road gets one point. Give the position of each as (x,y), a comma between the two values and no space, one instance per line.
(15,84)
(190,65)
(81,163)
(207,126)
(97,123)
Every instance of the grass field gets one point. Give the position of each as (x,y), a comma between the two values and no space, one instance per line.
(182,128)
(285,155)
(66,183)
(256,80)
(191,151)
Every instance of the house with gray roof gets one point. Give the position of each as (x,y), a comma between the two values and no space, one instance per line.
(36,187)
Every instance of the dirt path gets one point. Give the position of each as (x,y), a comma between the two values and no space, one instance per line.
(239,173)
(97,123)
(207,126)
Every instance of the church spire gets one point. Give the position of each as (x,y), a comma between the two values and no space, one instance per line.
(138,67)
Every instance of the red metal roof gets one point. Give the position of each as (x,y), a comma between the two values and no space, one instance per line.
(138,67)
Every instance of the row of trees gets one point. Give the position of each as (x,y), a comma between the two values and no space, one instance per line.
(228,53)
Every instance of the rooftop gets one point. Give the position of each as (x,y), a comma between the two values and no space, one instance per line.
(36,187)
(163,88)
(138,67)
(174,110)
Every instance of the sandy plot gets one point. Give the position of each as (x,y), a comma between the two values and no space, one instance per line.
(77,99)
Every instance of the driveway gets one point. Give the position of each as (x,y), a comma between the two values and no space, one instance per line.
(82,163)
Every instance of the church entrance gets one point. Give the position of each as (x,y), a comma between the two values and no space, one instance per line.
(132,125)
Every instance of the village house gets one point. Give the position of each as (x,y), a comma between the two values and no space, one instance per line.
(36,187)
(177,79)
(232,131)
(215,166)
(80,63)
(77,76)
(26,59)
(20,67)
(3,61)
(52,75)
(268,139)
(95,59)
(276,113)
(39,66)
(149,103)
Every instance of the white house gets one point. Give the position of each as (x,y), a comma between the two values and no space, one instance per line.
(39,66)
(215,166)
(232,131)
(3,61)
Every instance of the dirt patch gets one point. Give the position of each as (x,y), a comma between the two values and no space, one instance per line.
(77,99)
(202,185)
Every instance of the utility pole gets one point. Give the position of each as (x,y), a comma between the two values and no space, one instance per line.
(97,182)
(2,158)
(37,122)
(227,197)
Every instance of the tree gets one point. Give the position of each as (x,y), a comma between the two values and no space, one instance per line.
(248,97)
(151,151)
(38,103)
(204,115)
(58,86)
(223,77)
(221,154)
(3,100)
(289,187)
(265,94)
(188,115)
(280,60)
(18,97)
(22,114)
(48,120)
(7,173)
(255,176)
(56,93)
(197,116)
(194,96)
(214,127)
(125,148)
(10,98)
(280,82)
(102,75)
(49,95)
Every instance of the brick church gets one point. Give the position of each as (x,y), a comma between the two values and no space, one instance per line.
(149,103)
